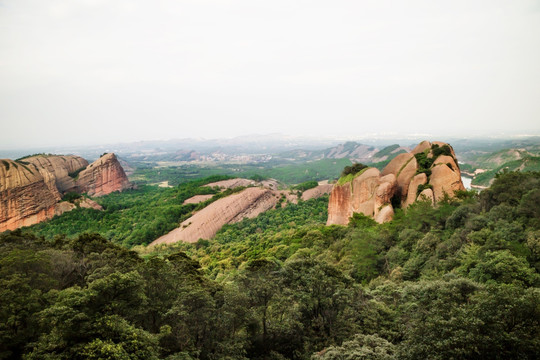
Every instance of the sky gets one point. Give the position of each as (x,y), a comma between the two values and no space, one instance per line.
(105,71)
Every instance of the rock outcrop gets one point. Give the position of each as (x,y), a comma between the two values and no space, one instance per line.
(197,199)
(102,177)
(368,193)
(26,197)
(84,203)
(62,168)
(317,192)
(429,172)
(248,203)
(31,188)
(231,183)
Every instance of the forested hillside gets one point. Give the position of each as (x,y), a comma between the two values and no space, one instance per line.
(456,281)
(133,217)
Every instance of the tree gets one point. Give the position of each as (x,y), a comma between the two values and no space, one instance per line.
(361,347)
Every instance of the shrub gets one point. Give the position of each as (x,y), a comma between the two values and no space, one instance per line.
(423,187)
(6,164)
(440,150)
(306,185)
(424,163)
(75,174)
(71,196)
(258,177)
(353,169)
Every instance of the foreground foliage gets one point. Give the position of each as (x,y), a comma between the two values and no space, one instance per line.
(459,281)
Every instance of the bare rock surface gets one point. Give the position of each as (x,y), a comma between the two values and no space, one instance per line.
(197,199)
(87,203)
(385,191)
(102,177)
(271,184)
(396,164)
(317,192)
(423,146)
(385,214)
(448,160)
(25,195)
(367,193)
(59,167)
(232,183)
(339,205)
(417,180)
(405,176)
(364,188)
(287,194)
(63,207)
(426,194)
(248,203)
(445,181)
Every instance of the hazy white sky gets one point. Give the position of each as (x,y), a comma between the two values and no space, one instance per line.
(98,71)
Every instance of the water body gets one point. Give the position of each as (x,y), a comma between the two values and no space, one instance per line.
(466,182)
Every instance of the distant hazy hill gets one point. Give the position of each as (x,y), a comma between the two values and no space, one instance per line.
(486,159)
(524,163)
(354,151)
(501,157)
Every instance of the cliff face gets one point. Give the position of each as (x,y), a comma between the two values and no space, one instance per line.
(369,194)
(26,197)
(59,167)
(31,188)
(429,172)
(102,177)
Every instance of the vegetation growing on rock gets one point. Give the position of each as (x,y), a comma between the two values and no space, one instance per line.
(350,172)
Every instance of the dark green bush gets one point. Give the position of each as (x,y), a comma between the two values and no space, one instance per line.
(424,163)
(423,187)
(76,173)
(71,196)
(440,150)
(306,185)
(353,169)
(258,177)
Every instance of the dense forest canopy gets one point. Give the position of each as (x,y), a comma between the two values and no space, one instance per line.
(459,281)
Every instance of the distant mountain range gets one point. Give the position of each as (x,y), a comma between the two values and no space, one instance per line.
(488,155)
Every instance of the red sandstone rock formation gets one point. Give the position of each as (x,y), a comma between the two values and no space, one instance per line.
(85,203)
(197,199)
(369,194)
(231,183)
(372,193)
(248,203)
(31,188)
(417,180)
(445,177)
(26,197)
(317,192)
(59,167)
(445,180)
(102,177)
